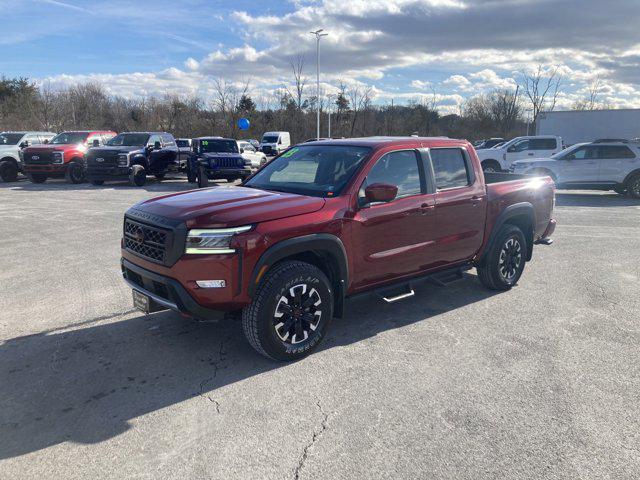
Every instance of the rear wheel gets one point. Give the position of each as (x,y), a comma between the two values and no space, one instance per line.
(8,171)
(290,312)
(504,263)
(621,190)
(203,180)
(633,186)
(138,176)
(74,173)
(37,177)
(491,166)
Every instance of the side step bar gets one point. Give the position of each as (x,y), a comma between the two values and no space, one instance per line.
(401,296)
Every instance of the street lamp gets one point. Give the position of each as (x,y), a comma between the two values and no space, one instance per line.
(330,97)
(319,35)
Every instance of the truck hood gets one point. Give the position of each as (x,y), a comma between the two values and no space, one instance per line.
(50,148)
(223,207)
(122,149)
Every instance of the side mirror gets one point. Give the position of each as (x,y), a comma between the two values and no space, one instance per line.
(46,140)
(241,150)
(96,142)
(24,144)
(157,146)
(380,192)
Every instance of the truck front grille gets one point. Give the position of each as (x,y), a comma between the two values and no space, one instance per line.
(146,241)
(40,158)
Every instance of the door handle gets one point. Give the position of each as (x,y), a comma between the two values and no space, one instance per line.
(426,208)
(475,200)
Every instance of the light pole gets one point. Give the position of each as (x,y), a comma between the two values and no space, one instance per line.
(329,97)
(319,35)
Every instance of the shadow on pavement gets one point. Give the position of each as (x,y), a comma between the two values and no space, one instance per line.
(87,383)
(595,199)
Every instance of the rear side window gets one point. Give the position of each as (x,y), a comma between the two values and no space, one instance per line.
(450,168)
(542,144)
(399,169)
(616,151)
(168,140)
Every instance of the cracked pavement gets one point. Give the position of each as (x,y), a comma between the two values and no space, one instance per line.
(542,382)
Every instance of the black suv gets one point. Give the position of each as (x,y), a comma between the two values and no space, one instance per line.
(217,157)
(134,155)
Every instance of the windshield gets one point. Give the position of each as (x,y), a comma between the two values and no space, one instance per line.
(68,138)
(270,139)
(10,138)
(218,146)
(316,170)
(129,140)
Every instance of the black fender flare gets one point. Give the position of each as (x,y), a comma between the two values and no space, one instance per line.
(141,160)
(630,175)
(512,211)
(318,243)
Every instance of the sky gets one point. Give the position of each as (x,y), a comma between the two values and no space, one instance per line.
(402,50)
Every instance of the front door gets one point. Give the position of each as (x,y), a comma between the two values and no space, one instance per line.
(394,239)
(581,165)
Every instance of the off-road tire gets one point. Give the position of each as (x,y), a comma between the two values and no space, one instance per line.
(191,176)
(203,180)
(259,320)
(633,186)
(8,171)
(37,177)
(138,176)
(74,173)
(490,272)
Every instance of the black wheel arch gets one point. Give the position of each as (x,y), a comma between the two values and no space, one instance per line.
(9,159)
(523,216)
(324,250)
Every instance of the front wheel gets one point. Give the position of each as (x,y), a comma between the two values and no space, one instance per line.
(491,166)
(191,176)
(633,186)
(8,171)
(504,263)
(203,180)
(138,176)
(74,173)
(290,312)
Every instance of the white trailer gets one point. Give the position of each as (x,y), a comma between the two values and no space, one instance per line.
(576,126)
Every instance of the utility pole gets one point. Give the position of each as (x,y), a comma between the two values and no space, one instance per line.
(319,35)
(330,97)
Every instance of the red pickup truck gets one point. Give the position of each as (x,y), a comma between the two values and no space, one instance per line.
(63,156)
(328,220)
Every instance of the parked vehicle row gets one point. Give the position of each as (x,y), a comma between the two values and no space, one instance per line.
(325,221)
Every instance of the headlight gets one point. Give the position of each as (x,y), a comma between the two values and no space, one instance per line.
(217,240)
(123,160)
(57,157)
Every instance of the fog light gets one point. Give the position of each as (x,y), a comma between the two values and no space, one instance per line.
(211,283)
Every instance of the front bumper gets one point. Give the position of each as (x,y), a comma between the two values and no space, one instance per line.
(108,173)
(228,172)
(51,168)
(167,292)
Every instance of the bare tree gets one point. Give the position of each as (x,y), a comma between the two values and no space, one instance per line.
(592,98)
(542,89)
(299,81)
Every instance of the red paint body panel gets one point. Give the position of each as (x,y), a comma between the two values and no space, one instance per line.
(384,243)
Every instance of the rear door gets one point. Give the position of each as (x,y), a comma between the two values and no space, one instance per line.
(156,162)
(394,239)
(461,200)
(616,163)
(581,165)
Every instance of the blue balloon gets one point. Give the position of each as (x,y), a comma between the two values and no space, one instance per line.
(244,124)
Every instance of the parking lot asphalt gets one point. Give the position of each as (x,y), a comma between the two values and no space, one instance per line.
(460,382)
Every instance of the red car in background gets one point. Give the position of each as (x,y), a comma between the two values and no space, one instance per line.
(63,156)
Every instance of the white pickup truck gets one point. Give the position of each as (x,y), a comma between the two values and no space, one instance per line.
(11,144)
(500,158)
(600,165)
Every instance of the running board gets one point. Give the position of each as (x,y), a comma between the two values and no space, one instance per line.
(397,298)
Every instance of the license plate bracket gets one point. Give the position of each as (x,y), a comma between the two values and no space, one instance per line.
(145,304)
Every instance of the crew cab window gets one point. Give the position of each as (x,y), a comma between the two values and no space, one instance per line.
(153,139)
(520,146)
(616,151)
(450,168)
(396,168)
(542,144)
(168,141)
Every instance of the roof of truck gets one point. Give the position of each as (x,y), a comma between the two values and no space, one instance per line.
(387,141)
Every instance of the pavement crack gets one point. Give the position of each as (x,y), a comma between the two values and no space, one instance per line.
(315,437)
(222,356)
